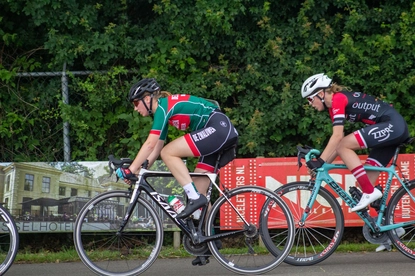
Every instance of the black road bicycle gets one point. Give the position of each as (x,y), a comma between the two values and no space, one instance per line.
(9,240)
(235,229)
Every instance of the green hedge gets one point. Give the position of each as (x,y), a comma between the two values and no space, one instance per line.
(251,56)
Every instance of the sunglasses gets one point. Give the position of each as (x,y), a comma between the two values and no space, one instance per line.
(311,99)
(136,103)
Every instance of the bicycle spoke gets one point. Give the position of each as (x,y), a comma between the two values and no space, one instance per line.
(322,227)
(249,252)
(401,208)
(9,241)
(108,251)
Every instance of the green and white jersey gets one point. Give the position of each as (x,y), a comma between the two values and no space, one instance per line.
(184,112)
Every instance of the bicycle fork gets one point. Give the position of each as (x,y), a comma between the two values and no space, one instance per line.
(134,197)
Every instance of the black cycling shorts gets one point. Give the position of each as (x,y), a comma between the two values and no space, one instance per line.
(217,135)
(383,137)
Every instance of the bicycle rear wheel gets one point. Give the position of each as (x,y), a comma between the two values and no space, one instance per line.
(245,251)
(401,208)
(9,240)
(107,250)
(320,235)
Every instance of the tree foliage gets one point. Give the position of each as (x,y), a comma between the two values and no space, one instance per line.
(250,55)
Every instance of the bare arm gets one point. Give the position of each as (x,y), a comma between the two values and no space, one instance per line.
(329,153)
(145,151)
(156,152)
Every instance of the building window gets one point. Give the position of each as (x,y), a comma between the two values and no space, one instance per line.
(74,192)
(29,180)
(62,191)
(46,185)
(7,183)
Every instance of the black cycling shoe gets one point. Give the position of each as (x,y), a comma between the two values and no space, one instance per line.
(191,206)
(203,260)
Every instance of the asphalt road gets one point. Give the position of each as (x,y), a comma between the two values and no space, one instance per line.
(360,264)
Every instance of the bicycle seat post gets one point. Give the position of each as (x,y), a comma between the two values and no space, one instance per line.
(398,148)
(395,156)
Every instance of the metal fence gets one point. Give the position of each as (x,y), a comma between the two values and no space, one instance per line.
(31,108)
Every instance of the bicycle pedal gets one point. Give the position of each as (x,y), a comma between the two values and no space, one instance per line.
(201,260)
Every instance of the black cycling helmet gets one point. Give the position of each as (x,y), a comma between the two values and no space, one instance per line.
(138,90)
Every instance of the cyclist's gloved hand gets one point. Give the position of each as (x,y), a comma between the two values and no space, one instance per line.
(124,173)
(315,163)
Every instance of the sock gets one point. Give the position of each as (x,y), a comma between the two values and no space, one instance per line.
(191,191)
(361,177)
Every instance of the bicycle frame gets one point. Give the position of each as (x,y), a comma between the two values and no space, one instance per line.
(322,174)
(186,226)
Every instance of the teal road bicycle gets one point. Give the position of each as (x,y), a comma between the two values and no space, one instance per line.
(319,218)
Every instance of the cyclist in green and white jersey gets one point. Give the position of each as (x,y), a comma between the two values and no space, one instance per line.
(210,131)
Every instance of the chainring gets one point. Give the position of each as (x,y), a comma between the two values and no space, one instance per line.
(375,238)
(194,249)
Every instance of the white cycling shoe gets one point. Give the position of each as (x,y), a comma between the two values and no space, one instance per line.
(366,200)
(399,231)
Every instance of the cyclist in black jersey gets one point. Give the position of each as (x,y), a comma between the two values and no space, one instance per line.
(385,129)
(210,132)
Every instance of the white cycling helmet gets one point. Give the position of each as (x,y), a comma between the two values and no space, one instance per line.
(314,84)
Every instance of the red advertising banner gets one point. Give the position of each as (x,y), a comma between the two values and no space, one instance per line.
(272,173)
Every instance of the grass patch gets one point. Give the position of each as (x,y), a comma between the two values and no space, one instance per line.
(70,255)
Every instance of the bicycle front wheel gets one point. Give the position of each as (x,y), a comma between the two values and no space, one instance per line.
(320,234)
(106,247)
(9,240)
(243,247)
(401,208)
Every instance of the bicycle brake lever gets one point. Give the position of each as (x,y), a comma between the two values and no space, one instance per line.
(299,161)
(301,152)
(114,164)
(110,164)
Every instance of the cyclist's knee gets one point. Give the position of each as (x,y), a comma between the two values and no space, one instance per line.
(166,153)
(346,144)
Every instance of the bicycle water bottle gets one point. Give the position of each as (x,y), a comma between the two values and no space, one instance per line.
(196,214)
(177,205)
(355,193)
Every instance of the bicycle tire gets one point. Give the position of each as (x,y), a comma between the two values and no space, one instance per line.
(321,233)
(245,253)
(9,240)
(401,209)
(105,250)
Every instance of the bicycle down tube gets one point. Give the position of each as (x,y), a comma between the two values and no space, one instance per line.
(143,185)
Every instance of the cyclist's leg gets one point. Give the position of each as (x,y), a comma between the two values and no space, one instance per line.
(172,155)
(361,139)
(206,164)
(217,134)
(346,150)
